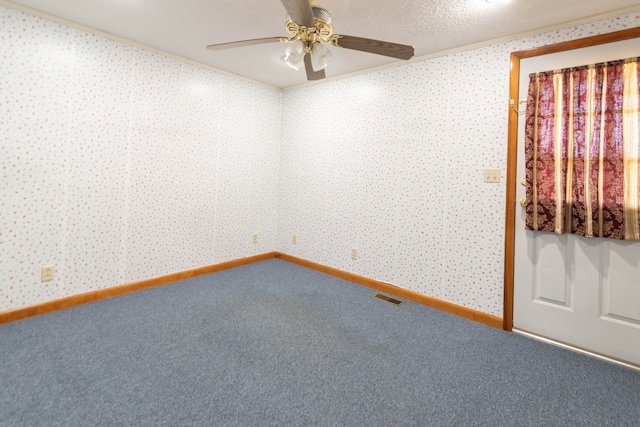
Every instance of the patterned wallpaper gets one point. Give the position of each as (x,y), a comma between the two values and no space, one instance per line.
(392,165)
(119,164)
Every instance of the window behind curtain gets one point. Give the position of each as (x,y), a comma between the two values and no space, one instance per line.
(582,145)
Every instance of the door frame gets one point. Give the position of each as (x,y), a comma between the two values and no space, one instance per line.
(512,148)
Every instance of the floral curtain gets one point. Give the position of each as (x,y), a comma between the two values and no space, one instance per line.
(582,148)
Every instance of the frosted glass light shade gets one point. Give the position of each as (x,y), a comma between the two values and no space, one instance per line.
(320,56)
(294,55)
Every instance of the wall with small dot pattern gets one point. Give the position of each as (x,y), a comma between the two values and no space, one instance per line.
(119,164)
(392,165)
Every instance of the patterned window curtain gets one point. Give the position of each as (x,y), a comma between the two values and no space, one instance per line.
(582,145)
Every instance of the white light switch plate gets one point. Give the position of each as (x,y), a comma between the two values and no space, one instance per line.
(491,175)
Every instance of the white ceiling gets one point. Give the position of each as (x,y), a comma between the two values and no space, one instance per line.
(185,27)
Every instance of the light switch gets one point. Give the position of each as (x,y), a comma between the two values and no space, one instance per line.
(491,175)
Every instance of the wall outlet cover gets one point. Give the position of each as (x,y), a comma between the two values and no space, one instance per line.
(48,273)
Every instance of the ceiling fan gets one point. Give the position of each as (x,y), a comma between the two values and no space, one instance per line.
(309,26)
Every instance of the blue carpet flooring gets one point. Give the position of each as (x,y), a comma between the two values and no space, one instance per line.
(276,344)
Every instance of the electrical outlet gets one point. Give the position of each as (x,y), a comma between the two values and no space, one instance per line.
(354,253)
(48,271)
(254,238)
(294,239)
(491,175)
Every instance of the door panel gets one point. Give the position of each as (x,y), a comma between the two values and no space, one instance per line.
(550,258)
(620,285)
(580,291)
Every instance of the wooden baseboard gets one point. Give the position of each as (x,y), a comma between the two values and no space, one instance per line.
(468,313)
(75,300)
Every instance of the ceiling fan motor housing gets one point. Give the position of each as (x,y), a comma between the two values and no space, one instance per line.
(321,13)
(323,29)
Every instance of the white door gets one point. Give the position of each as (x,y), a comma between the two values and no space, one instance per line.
(580,291)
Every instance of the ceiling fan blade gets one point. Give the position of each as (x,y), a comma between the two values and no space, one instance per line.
(394,50)
(300,12)
(242,43)
(311,73)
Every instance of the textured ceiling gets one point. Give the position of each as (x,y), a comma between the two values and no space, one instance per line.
(185,27)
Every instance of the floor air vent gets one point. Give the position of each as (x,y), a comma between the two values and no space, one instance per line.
(389,299)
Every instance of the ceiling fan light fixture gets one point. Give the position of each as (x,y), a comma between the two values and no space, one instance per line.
(309,27)
(294,55)
(320,56)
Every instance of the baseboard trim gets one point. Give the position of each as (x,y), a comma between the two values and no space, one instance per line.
(75,300)
(467,313)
